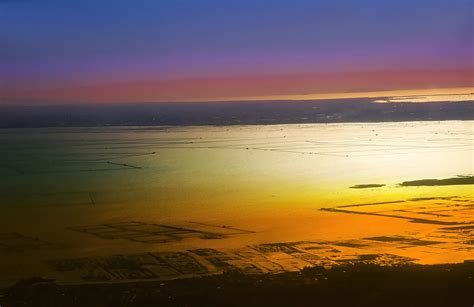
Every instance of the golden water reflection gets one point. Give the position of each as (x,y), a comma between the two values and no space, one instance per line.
(79,196)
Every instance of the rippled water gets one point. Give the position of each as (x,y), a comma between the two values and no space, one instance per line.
(61,189)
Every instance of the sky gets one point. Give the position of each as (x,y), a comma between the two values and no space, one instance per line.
(86,51)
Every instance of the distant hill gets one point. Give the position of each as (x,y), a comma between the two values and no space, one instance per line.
(231,113)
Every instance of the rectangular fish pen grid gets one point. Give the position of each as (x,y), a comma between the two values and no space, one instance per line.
(16,241)
(155,233)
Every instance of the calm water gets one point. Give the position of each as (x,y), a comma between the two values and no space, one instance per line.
(62,189)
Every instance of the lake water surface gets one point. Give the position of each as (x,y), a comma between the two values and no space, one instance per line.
(276,197)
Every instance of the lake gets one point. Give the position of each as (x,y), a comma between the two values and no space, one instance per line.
(133,203)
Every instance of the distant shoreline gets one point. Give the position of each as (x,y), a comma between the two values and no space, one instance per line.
(348,285)
(232,114)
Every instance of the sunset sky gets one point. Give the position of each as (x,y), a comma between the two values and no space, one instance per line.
(180,50)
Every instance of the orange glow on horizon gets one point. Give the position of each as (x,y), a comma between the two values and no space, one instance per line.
(258,87)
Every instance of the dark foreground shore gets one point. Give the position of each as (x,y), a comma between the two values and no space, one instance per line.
(355,285)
